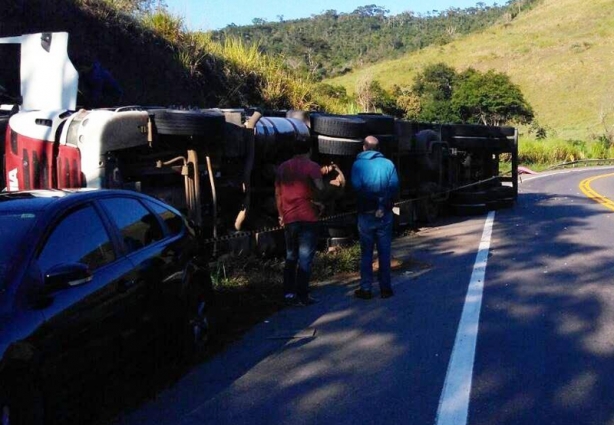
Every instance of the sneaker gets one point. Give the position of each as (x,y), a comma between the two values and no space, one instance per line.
(309,300)
(362,294)
(386,293)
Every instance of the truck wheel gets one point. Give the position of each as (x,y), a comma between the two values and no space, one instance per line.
(350,127)
(476,143)
(502,197)
(476,130)
(337,146)
(173,122)
(378,123)
(388,144)
(474,197)
(427,207)
(475,209)
(424,140)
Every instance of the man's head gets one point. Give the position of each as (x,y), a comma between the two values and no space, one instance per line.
(302,145)
(370,144)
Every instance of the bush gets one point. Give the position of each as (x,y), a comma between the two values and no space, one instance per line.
(552,152)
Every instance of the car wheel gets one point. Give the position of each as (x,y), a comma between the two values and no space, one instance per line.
(199,327)
(26,409)
(5,414)
(197,320)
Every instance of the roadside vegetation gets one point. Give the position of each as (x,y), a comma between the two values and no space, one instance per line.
(321,45)
(533,47)
(556,52)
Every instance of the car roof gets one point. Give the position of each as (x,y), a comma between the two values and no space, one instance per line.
(38,200)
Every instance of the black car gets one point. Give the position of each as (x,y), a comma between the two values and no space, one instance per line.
(92,285)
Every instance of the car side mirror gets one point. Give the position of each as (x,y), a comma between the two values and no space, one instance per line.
(67,275)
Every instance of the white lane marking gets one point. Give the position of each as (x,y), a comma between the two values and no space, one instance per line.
(454,402)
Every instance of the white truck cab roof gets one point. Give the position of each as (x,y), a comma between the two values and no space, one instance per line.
(49,81)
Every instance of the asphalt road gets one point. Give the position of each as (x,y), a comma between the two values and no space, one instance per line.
(500,319)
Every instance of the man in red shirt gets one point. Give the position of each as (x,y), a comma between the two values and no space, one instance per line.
(296,181)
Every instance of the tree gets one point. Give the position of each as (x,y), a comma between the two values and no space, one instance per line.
(364,95)
(436,81)
(370,10)
(490,99)
(138,6)
(434,86)
(408,102)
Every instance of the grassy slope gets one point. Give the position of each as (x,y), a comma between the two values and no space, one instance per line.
(561,54)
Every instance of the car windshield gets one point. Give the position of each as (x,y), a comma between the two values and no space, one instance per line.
(13,227)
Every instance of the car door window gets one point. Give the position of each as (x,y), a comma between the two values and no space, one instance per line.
(173,221)
(138,226)
(79,237)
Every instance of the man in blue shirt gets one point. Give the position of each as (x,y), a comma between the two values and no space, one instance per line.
(102,87)
(376,184)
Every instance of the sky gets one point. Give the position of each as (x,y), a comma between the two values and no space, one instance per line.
(208,15)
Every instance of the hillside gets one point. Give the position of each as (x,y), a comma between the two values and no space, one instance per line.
(560,54)
(334,43)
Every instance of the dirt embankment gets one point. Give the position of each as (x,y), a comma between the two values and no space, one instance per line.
(144,64)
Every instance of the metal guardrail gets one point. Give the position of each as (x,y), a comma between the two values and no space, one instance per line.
(584,162)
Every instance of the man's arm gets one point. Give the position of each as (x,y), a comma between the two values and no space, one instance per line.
(279,203)
(318,196)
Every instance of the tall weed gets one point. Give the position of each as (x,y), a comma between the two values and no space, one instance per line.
(553,151)
(166,25)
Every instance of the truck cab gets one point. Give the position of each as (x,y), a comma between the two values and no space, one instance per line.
(40,91)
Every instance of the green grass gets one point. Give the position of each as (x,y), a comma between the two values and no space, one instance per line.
(541,154)
(244,271)
(559,53)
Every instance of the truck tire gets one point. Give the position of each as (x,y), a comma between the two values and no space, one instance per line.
(464,210)
(477,143)
(378,123)
(349,127)
(470,198)
(388,144)
(338,146)
(476,130)
(425,139)
(173,122)
(427,207)
(502,197)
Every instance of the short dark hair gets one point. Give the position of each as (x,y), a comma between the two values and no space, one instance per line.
(302,145)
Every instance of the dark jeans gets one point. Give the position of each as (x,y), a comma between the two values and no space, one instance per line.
(301,243)
(375,232)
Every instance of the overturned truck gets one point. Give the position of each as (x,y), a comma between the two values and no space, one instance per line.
(218,165)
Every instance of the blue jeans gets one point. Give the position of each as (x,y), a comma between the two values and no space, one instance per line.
(375,231)
(301,243)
